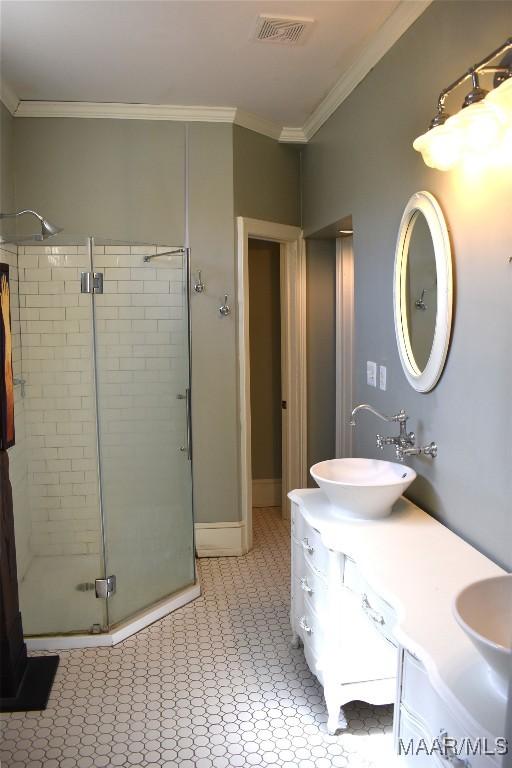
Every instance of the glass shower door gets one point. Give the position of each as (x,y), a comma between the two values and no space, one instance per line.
(143,379)
(54,462)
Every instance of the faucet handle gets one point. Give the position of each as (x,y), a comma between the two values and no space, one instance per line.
(430,450)
(380,442)
(401,417)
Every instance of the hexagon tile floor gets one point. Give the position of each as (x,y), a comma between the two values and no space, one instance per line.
(214,684)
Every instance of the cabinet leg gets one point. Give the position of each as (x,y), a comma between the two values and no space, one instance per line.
(335,716)
(295,641)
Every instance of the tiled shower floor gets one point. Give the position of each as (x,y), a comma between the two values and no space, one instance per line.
(214,684)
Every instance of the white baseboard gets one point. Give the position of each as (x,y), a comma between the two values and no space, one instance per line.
(266,493)
(219,539)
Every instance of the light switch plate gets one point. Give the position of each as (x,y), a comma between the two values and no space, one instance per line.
(382,377)
(371,373)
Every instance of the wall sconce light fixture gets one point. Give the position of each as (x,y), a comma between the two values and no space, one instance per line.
(482,129)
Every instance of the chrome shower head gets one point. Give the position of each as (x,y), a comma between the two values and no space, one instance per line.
(47,228)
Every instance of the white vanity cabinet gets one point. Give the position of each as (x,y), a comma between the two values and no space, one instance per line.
(371,603)
(346,629)
(426,723)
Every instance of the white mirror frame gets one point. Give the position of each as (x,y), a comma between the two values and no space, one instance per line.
(425,203)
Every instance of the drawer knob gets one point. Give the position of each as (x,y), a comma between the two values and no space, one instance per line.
(307,546)
(372,614)
(303,624)
(305,586)
(449,747)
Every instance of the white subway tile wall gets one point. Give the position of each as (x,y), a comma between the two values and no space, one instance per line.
(56,335)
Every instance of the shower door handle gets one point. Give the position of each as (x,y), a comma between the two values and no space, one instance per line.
(189,424)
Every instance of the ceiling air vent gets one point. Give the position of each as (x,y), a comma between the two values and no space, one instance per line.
(282,29)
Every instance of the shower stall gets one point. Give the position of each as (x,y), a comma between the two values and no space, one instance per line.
(101,469)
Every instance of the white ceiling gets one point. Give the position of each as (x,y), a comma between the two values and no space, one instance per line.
(186,52)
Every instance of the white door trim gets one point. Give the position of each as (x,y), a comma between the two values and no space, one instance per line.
(344,343)
(293,257)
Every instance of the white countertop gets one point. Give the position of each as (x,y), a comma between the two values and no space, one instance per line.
(418,566)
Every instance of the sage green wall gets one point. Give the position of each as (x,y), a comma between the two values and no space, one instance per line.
(122,179)
(321,349)
(214,372)
(6,164)
(265,358)
(361,162)
(125,179)
(266,178)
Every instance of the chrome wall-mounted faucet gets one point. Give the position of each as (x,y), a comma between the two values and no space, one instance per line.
(404,442)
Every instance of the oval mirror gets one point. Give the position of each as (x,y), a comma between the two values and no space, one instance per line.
(423,291)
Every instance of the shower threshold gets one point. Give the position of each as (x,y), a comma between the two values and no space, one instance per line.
(118,632)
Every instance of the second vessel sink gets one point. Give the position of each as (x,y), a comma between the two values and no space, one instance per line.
(362,488)
(484,611)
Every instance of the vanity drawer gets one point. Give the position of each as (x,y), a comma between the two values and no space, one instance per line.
(315,551)
(421,701)
(377,610)
(314,589)
(411,736)
(309,627)
(345,643)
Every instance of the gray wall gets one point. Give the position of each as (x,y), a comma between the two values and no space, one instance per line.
(265,358)
(266,178)
(122,179)
(6,166)
(214,372)
(361,162)
(321,349)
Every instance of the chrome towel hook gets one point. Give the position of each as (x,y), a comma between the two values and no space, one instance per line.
(199,286)
(225,309)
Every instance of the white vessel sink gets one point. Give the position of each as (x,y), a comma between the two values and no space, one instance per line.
(484,611)
(362,488)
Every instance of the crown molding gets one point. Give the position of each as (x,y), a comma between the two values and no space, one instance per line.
(393,28)
(175,112)
(8,97)
(290,135)
(119,111)
(254,123)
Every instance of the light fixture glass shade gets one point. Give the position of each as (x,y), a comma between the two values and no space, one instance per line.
(501,98)
(506,145)
(440,147)
(480,126)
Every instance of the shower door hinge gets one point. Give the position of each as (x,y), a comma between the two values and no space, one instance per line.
(91,282)
(105,587)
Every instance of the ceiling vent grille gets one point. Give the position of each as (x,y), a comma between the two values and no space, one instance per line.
(282,29)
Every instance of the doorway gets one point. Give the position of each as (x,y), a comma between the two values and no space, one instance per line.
(267,403)
(330,329)
(288,241)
